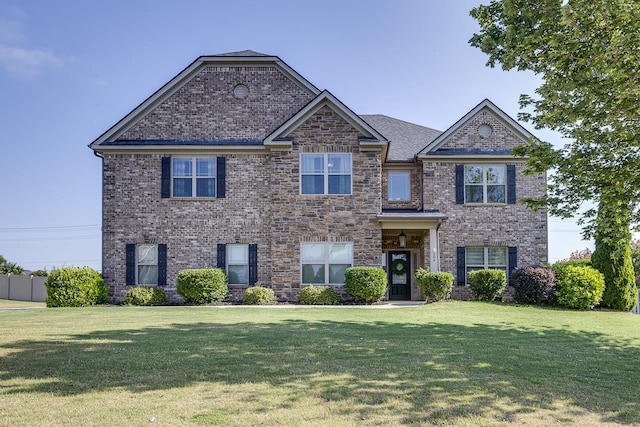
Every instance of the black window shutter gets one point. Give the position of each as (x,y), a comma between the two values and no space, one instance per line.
(166,178)
(221,172)
(162,264)
(222,256)
(513,260)
(130,264)
(511,184)
(253,264)
(459,184)
(461,265)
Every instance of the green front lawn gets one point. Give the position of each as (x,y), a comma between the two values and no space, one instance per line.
(453,363)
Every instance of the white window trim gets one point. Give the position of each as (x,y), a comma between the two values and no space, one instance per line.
(229,264)
(194,177)
(484,183)
(326,174)
(486,265)
(138,264)
(389,173)
(325,262)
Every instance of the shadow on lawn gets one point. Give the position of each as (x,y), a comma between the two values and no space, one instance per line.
(440,371)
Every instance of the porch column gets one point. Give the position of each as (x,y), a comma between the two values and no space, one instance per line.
(434,258)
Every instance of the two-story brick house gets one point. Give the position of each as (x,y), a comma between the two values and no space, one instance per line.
(241,163)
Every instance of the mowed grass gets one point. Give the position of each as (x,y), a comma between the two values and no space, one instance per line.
(453,363)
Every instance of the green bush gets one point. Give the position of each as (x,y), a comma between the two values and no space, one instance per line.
(145,295)
(75,287)
(367,284)
(259,295)
(613,260)
(203,285)
(580,287)
(533,284)
(560,266)
(436,285)
(318,295)
(487,285)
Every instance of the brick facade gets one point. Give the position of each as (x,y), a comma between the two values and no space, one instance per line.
(263,204)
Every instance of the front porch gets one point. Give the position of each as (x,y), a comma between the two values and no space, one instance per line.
(409,242)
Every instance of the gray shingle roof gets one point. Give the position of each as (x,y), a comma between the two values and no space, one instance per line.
(405,139)
(243,53)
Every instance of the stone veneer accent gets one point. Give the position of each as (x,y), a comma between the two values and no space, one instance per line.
(298,218)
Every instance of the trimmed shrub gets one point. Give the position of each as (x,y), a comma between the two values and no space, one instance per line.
(579,287)
(366,284)
(318,295)
(75,287)
(202,285)
(259,295)
(487,285)
(534,284)
(560,266)
(145,295)
(436,285)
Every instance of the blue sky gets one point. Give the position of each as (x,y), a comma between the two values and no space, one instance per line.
(70,69)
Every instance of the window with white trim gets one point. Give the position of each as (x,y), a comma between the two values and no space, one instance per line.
(398,185)
(193,176)
(238,264)
(484,258)
(484,184)
(147,264)
(325,263)
(328,173)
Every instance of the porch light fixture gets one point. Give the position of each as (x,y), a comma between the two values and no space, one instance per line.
(402,240)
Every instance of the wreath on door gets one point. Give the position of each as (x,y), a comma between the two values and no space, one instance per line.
(398,267)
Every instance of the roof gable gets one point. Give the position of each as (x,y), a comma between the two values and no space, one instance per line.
(280,138)
(465,137)
(222,61)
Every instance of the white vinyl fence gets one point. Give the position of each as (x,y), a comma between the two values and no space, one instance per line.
(23,288)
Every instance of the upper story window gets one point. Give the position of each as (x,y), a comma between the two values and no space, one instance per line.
(325,263)
(193,177)
(399,185)
(484,184)
(325,173)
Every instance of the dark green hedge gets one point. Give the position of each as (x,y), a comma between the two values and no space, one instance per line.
(366,284)
(203,285)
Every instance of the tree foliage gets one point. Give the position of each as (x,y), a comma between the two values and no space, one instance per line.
(7,267)
(588,56)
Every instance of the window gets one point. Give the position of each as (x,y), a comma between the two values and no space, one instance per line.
(399,185)
(325,173)
(193,177)
(325,263)
(484,184)
(147,265)
(486,258)
(238,264)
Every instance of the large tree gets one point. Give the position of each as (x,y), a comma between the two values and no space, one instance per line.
(587,54)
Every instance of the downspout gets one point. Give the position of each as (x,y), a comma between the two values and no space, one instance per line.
(95,153)
(438,242)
